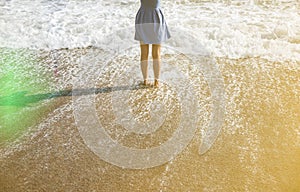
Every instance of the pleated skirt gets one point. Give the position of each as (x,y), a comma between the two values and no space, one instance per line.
(151,26)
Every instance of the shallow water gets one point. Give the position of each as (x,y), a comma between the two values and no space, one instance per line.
(233,29)
(60,100)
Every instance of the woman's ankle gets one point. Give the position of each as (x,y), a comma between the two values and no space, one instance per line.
(145,82)
(156,83)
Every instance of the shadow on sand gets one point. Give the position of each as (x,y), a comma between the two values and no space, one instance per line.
(21,99)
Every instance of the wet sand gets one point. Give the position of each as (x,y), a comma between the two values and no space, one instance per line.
(258,148)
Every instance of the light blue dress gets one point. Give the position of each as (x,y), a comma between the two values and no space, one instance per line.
(150,24)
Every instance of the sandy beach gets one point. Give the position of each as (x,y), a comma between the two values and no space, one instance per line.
(74,116)
(257,149)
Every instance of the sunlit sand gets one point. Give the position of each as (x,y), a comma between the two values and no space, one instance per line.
(258,148)
(75,117)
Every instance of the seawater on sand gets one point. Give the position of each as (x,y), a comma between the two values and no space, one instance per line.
(256,46)
(258,148)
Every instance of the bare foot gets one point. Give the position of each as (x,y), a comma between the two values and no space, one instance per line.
(146,83)
(156,84)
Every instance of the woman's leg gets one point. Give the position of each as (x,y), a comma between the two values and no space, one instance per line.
(144,61)
(156,62)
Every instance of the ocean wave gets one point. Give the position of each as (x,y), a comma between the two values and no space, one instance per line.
(234,29)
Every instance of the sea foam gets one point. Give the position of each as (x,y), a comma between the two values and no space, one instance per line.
(233,29)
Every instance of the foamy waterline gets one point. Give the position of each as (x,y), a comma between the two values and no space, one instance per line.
(236,29)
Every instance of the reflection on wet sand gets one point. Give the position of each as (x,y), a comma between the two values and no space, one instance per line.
(257,150)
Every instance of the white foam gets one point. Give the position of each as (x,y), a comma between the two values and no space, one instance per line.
(233,29)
